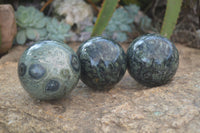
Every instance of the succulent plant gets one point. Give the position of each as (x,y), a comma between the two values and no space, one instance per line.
(57,30)
(122,22)
(31,24)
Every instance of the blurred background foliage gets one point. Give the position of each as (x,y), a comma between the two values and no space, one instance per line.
(130,19)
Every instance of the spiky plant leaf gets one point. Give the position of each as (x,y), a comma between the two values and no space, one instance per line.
(171,16)
(104,16)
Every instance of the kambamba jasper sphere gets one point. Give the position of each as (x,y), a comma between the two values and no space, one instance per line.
(49,70)
(103,63)
(152,60)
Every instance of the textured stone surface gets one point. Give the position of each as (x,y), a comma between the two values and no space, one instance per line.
(8,27)
(103,63)
(128,107)
(152,60)
(49,70)
(74,11)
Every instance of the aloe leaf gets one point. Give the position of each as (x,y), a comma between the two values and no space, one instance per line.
(104,16)
(21,37)
(171,16)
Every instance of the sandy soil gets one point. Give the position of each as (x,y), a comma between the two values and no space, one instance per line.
(129,107)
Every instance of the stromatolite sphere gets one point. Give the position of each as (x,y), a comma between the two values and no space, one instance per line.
(103,63)
(49,70)
(152,60)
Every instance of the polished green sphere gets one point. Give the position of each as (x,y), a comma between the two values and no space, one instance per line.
(103,63)
(49,70)
(152,60)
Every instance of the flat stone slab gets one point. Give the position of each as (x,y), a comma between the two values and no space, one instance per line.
(129,107)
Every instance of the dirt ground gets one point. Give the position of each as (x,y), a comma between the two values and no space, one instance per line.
(129,107)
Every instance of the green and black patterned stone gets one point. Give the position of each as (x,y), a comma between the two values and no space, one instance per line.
(152,60)
(49,70)
(103,63)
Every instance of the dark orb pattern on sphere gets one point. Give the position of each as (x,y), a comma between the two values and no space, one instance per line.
(52,85)
(36,71)
(22,69)
(152,60)
(75,63)
(49,70)
(103,63)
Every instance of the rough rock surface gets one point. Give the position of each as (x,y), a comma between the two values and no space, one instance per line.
(75,11)
(8,27)
(129,107)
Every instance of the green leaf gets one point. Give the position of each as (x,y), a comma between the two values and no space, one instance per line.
(125,27)
(121,37)
(40,24)
(88,29)
(171,16)
(111,27)
(104,16)
(42,32)
(64,28)
(21,37)
(54,22)
(52,26)
(29,17)
(95,1)
(145,23)
(31,33)
(132,9)
(56,37)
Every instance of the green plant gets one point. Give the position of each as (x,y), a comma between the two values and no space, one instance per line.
(94,1)
(57,30)
(127,2)
(31,24)
(104,16)
(122,22)
(145,24)
(141,3)
(171,16)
